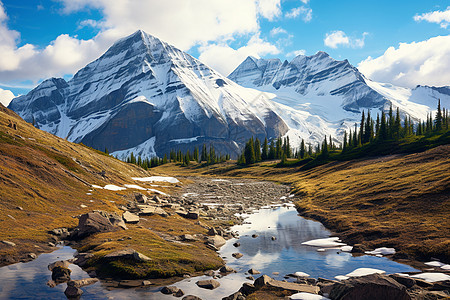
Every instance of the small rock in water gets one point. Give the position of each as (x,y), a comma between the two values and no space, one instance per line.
(209,284)
(72,292)
(273,238)
(169,290)
(60,274)
(237,255)
(255,235)
(250,278)
(191,297)
(226,269)
(179,293)
(253,272)
(237,244)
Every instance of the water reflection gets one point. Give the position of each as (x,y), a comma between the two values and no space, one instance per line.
(285,255)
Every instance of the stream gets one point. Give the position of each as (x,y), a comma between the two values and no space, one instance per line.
(283,254)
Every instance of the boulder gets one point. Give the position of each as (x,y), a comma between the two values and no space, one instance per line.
(130,217)
(212,231)
(130,283)
(253,272)
(374,286)
(262,281)
(235,296)
(237,255)
(358,248)
(188,238)
(192,215)
(82,282)
(62,233)
(127,253)
(92,222)
(61,263)
(191,297)
(406,281)
(209,284)
(60,274)
(169,290)
(141,198)
(149,210)
(179,293)
(247,289)
(72,292)
(226,269)
(216,241)
(236,244)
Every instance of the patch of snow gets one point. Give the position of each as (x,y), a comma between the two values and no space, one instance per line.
(307,296)
(96,186)
(320,250)
(341,277)
(89,194)
(346,248)
(158,192)
(301,274)
(134,186)
(157,179)
(112,187)
(190,195)
(83,206)
(382,251)
(445,267)
(220,180)
(283,197)
(326,242)
(432,277)
(144,150)
(185,141)
(434,264)
(364,271)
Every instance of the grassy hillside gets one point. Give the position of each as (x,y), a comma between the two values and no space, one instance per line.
(401,201)
(46,181)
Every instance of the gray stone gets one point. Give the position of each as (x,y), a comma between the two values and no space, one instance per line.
(235,296)
(253,271)
(130,218)
(9,243)
(61,263)
(179,293)
(209,284)
(374,286)
(216,241)
(226,269)
(141,198)
(247,289)
(169,290)
(191,297)
(262,281)
(60,274)
(127,253)
(237,255)
(188,238)
(406,281)
(72,292)
(82,282)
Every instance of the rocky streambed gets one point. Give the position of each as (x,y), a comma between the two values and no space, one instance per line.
(254,228)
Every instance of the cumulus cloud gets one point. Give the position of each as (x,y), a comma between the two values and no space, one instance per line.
(6,96)
(305,12)
(277,30)
(410,64)
(439,17)
(225,59)
(338,38)
(296,53)
(195,23)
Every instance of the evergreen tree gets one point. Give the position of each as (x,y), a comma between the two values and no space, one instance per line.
(272,151)
(265,150)
(288,150)
(302,149)
(438,120)
(377,127)
(278,148)
(361,129)
(249,152)
(196,154)
(164,161)
(397,126)
(204,155)
(324,154)
(257,150)
(344,146)
(383,135)
(310,150)
(390,127)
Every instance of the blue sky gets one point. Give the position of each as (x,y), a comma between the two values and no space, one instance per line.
(44,38)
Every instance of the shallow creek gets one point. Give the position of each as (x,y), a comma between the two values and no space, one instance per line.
(284,254)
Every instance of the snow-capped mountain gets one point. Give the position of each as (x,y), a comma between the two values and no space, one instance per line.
(333,90)
(146,96)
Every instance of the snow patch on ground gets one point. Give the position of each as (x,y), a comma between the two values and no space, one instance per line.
(325,243)
(307,296)
(112,187)
(157,179)
(134,186)
(432,277)
(382,251)
(364,271)
(157,192)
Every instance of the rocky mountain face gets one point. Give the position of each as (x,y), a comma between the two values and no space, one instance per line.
(147,95)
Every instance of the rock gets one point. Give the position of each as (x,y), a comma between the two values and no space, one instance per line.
(209,284)
(273,238)
(179,293)
(141,198)
(325,288)
(130,218)
(209,273)
(148,210)
(32,255)
(430,295)
(82,282)
(130,283)
(127,253)
(72,292)
(250,278)
(91,223)
(192,215)
(82,258)
(236,244)
(191,297)
(422,283)
(406,281)
(188,238)
(235,296)
(216,241)
(440,286)
(255,235)
(212,231)
(169,290)
(9,243)
(374,286)
(62,233)
(262,281)
(61,263)
(60,274)
(237,255)
(358,248)
(226,269)
(253,272)
(247,289)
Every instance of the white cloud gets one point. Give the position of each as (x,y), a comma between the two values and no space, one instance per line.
(305,12)
(296,53)
(6,96)
(225,59)
(439,17)
(277,30)
(339,38)
(410,64)
(305,1)
(190,24)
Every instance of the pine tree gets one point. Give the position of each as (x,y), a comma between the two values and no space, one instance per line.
(383,128)
(302,149)
(196,154)
(265,150)
(310,150)
(164,161)
(438,120)
(361,129)
(397,125)
(377,127)
(324,154)
(288,150)
(344,145)
(257,150)
(249,152)
(390,127)
(272,151)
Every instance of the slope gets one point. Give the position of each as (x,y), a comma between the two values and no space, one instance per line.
(46,182)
